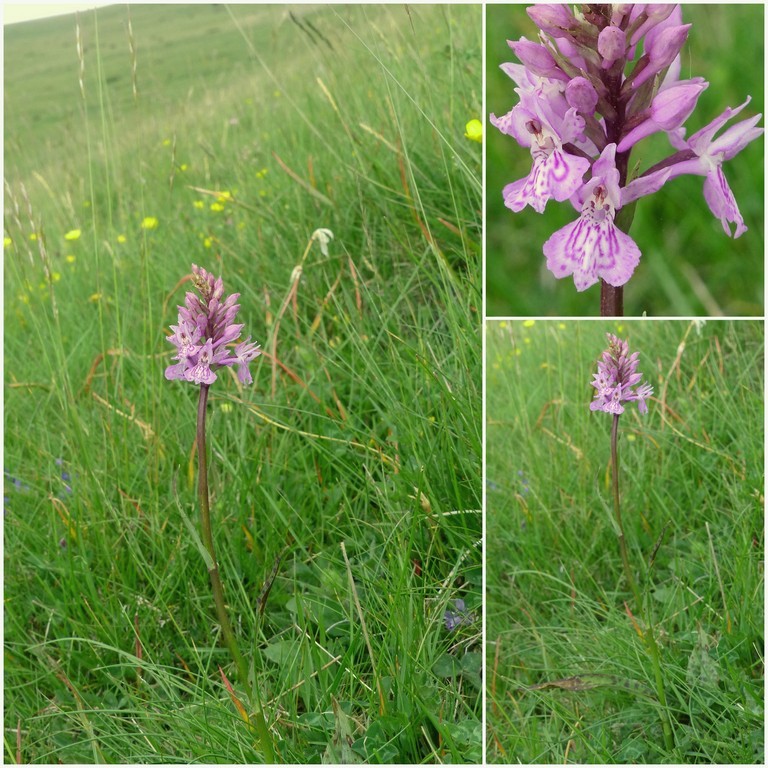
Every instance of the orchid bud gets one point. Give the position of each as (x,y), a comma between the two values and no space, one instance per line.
(673,106)
(654,14)
(661,51)
(611,45)
(555,20)
(581,95)
(668,111)
(537,59)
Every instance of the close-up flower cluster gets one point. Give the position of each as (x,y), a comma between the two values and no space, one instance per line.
(617,378)
(599,80)
(205,329)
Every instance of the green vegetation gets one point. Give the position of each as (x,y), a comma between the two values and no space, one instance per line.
(569,678)
(226,136)
(689,266)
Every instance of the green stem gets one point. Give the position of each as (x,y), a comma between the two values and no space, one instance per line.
(648,636)
(216,583)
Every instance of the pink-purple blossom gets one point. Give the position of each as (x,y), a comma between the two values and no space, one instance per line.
(617,380)
(596,82)
(593,247)
(204,331)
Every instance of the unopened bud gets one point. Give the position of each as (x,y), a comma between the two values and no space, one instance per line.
(611,45)
(581,95)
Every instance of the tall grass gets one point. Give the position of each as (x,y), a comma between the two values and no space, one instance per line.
(569,678)
(349,472)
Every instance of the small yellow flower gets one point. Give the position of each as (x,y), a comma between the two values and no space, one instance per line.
(86,203)
(217,207)
(55,276)
(7,242)
(183,167)
(207,242)
(529,323)
(199,204)
(33,237)
(149,222)
(262,193)
(23,298)
(166,142)
(262,173)
(503,324)
(94,297)
(226,407)
(562,326)
(122,239)
(474,131)
(73,234)
(224,197)
(70,259)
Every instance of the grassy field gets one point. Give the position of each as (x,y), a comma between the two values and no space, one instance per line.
(692,500)
(138,141)
(688,265)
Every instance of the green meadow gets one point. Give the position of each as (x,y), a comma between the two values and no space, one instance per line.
(689,266)
(346,481)
(569,675)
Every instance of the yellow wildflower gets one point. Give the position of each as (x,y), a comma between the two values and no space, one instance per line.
(94,297)
(7,242)
(73,234)
(199,204)
(183,167)
(224,197)
(474,131)
(217,207)
(529,323)
(207,242)
(33,237)
(149,222)
(55,276)
(70,259)
(122,239)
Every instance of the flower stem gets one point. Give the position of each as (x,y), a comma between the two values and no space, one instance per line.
(216,583)
(611,300)
(647,634)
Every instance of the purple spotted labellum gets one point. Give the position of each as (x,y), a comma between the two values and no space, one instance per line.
(597,81)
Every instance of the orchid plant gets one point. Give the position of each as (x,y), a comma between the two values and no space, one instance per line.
(617,381)
(600,79)
(202,340)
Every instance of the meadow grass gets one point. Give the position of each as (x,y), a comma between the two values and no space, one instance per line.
(225,136)
(689,266)
(692,505)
